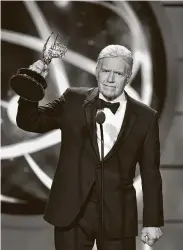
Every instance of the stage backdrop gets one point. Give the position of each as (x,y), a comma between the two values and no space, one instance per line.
(152,31)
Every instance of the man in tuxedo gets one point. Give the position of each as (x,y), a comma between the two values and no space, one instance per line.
(130,136)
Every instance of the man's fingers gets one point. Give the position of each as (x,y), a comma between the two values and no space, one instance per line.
(147,240)
(40,68)
(37,66)
(158,233)
(143,237)
(150,241)
(150,235)
(44,74)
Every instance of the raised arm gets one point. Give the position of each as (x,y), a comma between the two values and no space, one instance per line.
(40,119)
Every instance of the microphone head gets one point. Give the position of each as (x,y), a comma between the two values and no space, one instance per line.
(100,117)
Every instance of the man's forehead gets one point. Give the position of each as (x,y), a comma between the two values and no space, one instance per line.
(117,63)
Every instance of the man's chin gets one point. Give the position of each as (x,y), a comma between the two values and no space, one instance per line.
(108,96)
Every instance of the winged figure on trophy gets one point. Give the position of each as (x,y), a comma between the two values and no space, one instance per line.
(56,50)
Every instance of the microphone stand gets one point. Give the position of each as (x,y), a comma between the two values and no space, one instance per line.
(100,118)
(102,186)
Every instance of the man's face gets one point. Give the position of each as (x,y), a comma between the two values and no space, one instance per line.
(112,77)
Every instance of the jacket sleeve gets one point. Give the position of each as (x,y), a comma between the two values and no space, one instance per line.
(151,178)
(40,119)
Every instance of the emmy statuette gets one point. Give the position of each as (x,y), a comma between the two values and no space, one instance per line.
(28,83)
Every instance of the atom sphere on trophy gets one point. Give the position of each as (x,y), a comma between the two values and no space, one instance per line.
(56,50)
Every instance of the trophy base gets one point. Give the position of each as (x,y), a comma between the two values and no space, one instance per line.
(29,85)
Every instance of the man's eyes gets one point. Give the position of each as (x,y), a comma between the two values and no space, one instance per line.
(118,73)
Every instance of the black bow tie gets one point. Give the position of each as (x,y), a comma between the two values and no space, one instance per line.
(112,106)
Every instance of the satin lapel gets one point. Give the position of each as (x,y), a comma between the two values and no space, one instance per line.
(128,123)
(90,113)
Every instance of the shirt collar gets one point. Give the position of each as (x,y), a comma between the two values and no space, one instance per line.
(121,99)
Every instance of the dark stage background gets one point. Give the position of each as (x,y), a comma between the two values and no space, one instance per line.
(153,31)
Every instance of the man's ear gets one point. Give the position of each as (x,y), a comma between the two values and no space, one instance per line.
(128,78)
(96,74)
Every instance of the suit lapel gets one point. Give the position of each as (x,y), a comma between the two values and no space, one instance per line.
(90,113)
(127,125)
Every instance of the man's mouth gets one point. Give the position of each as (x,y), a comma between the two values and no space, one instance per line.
(110,86)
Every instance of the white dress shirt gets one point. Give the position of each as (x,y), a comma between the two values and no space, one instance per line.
(112,124)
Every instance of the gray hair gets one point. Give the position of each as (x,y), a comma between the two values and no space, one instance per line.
(115,51)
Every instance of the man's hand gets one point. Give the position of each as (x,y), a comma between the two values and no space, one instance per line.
(40,68)
(149,235)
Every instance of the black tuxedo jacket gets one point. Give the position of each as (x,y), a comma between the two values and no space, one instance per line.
(138,142)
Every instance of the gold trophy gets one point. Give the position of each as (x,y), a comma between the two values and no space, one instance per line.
(28,83)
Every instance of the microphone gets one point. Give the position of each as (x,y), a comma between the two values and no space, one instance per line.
(100,117)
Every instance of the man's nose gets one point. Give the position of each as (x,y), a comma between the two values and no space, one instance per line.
(111,77)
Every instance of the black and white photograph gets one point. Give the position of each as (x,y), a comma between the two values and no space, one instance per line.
(91,125)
